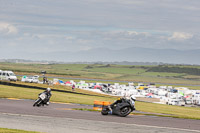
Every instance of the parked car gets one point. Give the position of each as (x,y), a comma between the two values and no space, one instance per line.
(36,79)
(32,79)
(29,79)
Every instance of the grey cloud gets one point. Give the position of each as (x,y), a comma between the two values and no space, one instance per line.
(149,14)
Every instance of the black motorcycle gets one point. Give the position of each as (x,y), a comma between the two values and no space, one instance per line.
(42,100)
(121,109)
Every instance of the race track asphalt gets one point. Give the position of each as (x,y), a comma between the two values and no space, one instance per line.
(20,114)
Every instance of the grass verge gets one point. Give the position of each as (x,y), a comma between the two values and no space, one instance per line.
(6,130)
(28,93)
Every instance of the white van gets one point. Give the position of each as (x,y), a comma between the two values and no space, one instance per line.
(7,75)
(179,102)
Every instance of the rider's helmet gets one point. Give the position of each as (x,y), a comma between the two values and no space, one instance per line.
(48,89)
(133,98)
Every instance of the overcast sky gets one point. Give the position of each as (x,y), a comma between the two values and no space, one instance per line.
(75,25)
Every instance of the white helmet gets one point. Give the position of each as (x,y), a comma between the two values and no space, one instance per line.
(133,98)
(48,89)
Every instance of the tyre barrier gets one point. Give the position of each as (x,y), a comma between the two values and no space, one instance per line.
(98,105)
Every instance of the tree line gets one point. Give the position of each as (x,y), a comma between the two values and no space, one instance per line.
(191,71)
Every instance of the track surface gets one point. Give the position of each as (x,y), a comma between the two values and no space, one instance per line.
(20,114)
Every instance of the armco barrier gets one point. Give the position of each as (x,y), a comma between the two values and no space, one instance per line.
(99,104)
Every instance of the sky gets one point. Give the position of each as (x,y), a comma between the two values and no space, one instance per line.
(43,26)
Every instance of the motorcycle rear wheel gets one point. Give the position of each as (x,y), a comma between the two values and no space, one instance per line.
(125,111)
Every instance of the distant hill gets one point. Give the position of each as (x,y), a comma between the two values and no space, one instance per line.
(128,55)
(99,62)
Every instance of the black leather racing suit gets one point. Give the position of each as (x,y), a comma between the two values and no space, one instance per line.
(48,94)
(116,102)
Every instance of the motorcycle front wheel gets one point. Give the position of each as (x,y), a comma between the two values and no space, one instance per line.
(37,102)
(125,111)
(105,111)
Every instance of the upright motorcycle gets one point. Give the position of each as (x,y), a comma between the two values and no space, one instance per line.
(42,98)
(121,109)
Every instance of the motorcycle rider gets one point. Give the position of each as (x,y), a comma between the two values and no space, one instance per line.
(48,94)
(119,100)
(132,100)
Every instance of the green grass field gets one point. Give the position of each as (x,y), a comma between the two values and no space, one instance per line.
(110,72)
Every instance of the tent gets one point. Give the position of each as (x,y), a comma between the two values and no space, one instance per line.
(68,82)
(23,78)
(60,81)
(56,83)
(84,84)
(186,96)
(181,93)
(97,87)
(149,94)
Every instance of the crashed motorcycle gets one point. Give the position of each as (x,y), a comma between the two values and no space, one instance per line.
(121,109)
(42,100)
